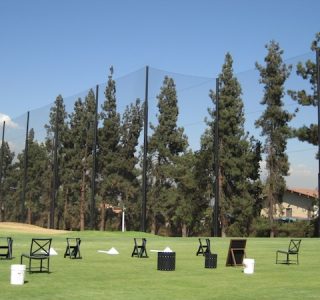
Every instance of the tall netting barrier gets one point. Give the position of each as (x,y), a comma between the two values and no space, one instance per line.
(137,152)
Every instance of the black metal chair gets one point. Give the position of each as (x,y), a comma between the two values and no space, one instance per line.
(140,250)
(6,247)
(73,248)
(39,251)
(293,250)
(203,249)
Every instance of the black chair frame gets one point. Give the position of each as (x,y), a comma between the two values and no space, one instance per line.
(293,250)
(39,251)
(237,252)
(140,250)
(203,249)
(73,248)
(6,248)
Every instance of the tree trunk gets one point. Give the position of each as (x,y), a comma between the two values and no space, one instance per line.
(224,225)
(154,226)
(184,230)
(65,212)
(82,202)
(29,215)
(271,208)
(102,216)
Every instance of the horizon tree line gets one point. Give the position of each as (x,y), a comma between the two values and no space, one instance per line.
(179,180)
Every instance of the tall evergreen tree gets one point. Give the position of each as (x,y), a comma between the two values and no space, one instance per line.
(109,151)
(79,161)
(239,156)
(274,123)
(308,71)
(57,121)
(131,126)
(6,179)
(166,144)
(37,158)
(189,209)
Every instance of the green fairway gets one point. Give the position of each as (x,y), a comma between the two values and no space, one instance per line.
(103,276)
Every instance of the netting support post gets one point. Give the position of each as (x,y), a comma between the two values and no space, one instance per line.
(145,153)
(94,164)
(216,166)
(25,173)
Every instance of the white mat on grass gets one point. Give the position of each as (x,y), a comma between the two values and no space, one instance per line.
(167,249)
(111,251)
(51,252)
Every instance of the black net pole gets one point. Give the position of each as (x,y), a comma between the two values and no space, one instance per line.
(55,170)
(216,166)
(318,100)
(1,166)
(25,173)
(94,163)
(145,152)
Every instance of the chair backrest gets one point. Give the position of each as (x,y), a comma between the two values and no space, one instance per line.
(40,247)
(294,246)
(236,252)
(75,242)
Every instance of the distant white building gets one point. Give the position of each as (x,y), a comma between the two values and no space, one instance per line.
(298,204)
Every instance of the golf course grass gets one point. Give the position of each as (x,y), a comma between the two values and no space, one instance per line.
(102,276)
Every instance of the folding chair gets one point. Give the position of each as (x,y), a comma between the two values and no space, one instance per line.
(203,249)
(6,247)
(293,249)
(139,250)
(39,251)
(73,248)
(236,253)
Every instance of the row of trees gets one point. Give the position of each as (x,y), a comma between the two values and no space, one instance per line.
(179,180)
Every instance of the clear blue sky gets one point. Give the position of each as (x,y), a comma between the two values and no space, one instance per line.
(66,46)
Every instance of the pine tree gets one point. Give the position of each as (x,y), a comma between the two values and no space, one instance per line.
(238,157)
(6,180)
(274,124)
(57,120)
(166,144)
(308,71)
(131,126)
(37,158)
(109,151)
(78,161)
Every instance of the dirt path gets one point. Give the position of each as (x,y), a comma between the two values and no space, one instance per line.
(20,227)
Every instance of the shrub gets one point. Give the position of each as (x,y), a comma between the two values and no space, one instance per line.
(301,228)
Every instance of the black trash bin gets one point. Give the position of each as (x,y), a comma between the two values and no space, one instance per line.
(210,260)
(166,261)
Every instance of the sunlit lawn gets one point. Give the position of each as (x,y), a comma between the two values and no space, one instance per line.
(103,276)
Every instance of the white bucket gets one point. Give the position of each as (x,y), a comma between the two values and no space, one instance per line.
(17,274)
(248,264)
